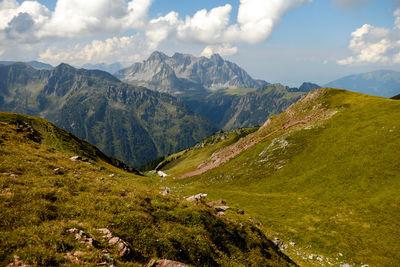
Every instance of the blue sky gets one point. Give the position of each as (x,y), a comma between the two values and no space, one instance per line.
(306,40)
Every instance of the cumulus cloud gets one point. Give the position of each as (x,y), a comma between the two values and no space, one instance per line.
(76,18)
(255,22)
(126,49)
(223,50)
(372,44)
(257,18)
(31,22)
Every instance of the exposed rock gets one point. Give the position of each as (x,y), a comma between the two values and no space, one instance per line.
(17,262)
(162,174)
(278,242)
(220,213)
(165,192)
(197,198)
(81,236)
(222,208)
(112,175)
(216,202)
(76,158)
(58,171)
(240,211)
(292,244)
(165,263)
(123,247)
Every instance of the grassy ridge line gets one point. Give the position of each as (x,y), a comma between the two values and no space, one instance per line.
(302,112)
(330,184)
(61,140)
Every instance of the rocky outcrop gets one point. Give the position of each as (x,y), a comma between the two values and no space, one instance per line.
(122,246)
(197,198)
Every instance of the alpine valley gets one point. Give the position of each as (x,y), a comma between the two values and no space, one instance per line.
(235,171)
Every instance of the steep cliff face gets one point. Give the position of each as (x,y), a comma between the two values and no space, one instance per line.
(182,73)
(129,122)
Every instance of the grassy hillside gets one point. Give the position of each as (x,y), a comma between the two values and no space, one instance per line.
(324,174)
(187,160)
(44,196)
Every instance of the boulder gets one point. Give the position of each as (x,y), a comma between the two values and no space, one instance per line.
(165,192)
(162,174)
(76,158)
(58,171)
(165,263)
(278,242)
(81,236)
(220,214)
(216,202)
(197,198)
(123,247)
(240,211)
(222,208)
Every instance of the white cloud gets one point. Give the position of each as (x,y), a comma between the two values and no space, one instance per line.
(372,44)
(257,19)
(9,9)
(205,27)
(255,22)
(72,20)
(126,49)
(223,50)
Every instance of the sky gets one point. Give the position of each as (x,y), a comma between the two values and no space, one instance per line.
(286,41)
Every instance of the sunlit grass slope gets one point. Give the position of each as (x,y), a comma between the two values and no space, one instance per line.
(43,193)
(325,174)
(188,160)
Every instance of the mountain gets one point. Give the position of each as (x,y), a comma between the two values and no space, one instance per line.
(130,123)
(305,87)
(58,211)
(184,73)
(238,108)
(397,97)
(384,83)
(34,64)
(323,176)
(110,68)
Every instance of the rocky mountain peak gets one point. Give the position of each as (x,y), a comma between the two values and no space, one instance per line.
(157,56)
(192,73)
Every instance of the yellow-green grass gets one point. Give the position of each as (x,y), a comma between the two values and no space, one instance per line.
(188,160)
(334,188)
(38,205)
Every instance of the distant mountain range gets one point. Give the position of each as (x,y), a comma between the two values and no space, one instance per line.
(34,64)
(131,123)
(184,73)
(216,88)
(384,83)
(110,68)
